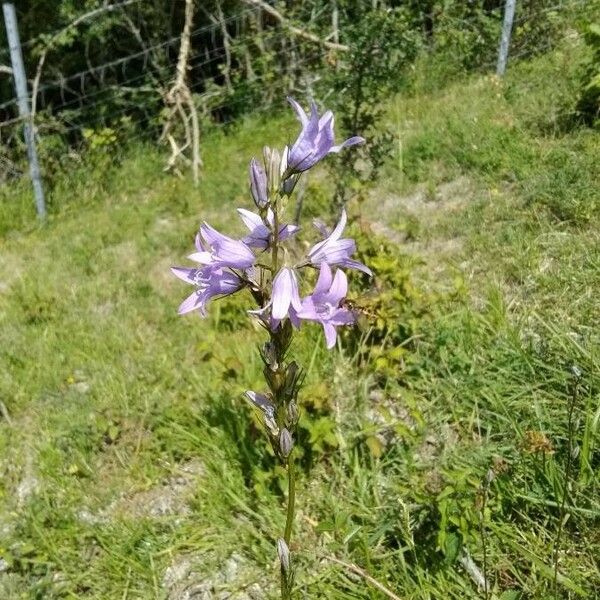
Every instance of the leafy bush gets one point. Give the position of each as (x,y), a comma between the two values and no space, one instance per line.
(382,45)
(588,106)
(390,306)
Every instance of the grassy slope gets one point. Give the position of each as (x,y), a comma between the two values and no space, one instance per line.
(113,397)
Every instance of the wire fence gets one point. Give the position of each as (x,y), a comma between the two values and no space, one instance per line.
(109,94)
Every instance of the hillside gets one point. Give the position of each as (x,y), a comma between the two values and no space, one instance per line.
(130,465)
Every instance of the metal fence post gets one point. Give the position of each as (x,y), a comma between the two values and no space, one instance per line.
(20,80)
(509,15)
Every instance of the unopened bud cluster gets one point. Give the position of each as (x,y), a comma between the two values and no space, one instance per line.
(283,380)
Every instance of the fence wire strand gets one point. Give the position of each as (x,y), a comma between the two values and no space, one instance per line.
(84,91)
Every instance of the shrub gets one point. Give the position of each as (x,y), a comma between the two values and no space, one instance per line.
(588,106)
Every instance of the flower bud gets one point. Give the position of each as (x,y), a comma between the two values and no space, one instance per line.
(284,162)
(264,403)
(258,184)
(292,414)
(289,184)
(292,376)
(284,555)
(269,355)
(275,379)
(272,164)
(286,442)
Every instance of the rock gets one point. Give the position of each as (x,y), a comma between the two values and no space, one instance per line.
(186,579)
(26,488)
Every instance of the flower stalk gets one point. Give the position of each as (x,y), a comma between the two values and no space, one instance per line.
(289,522)
(228,265)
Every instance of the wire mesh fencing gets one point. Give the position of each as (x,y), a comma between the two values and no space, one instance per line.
(243,63)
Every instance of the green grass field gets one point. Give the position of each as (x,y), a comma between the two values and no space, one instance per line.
(132,468)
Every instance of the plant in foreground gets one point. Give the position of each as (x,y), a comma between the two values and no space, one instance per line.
(267,263)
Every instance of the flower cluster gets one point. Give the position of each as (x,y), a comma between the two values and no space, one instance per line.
(268,264)
(228,265)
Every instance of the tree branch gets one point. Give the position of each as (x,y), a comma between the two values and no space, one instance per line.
(180,96)
(296,30)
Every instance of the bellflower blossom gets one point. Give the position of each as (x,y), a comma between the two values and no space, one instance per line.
(260,234)
(316,140)
(272,267)
(210,282)
(285,301)
(335,251)
(323,305)
(286,298)
(214,248)
(258,184)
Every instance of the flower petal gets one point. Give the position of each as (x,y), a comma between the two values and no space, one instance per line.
(295,301)
(339,287)
(324,280)
(343,316)
(339,228)
(258,183)
(332,252)
(210,235)
(354,264)
(251,220)
(204,258)
(321,227)
(286,231)
(185,274)
(308,310)
(353,141)
(200,245)
(302,117)
(330,335)
(282,293)
(192,302)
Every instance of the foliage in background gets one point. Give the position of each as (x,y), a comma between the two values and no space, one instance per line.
(383,44)
(390,307)
(588,105)
(243,58)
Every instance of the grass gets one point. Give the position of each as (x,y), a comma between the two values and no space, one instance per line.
(131,468)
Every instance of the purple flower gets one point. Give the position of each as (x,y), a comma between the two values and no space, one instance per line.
(323,305)
(335,251)
(285,301)
(285,295)
(260,234)
(258,184)
(210,281)
(315,141)
(217,249)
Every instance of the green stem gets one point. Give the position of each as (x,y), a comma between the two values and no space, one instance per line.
(289,522)
(286,578)
(284,588)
